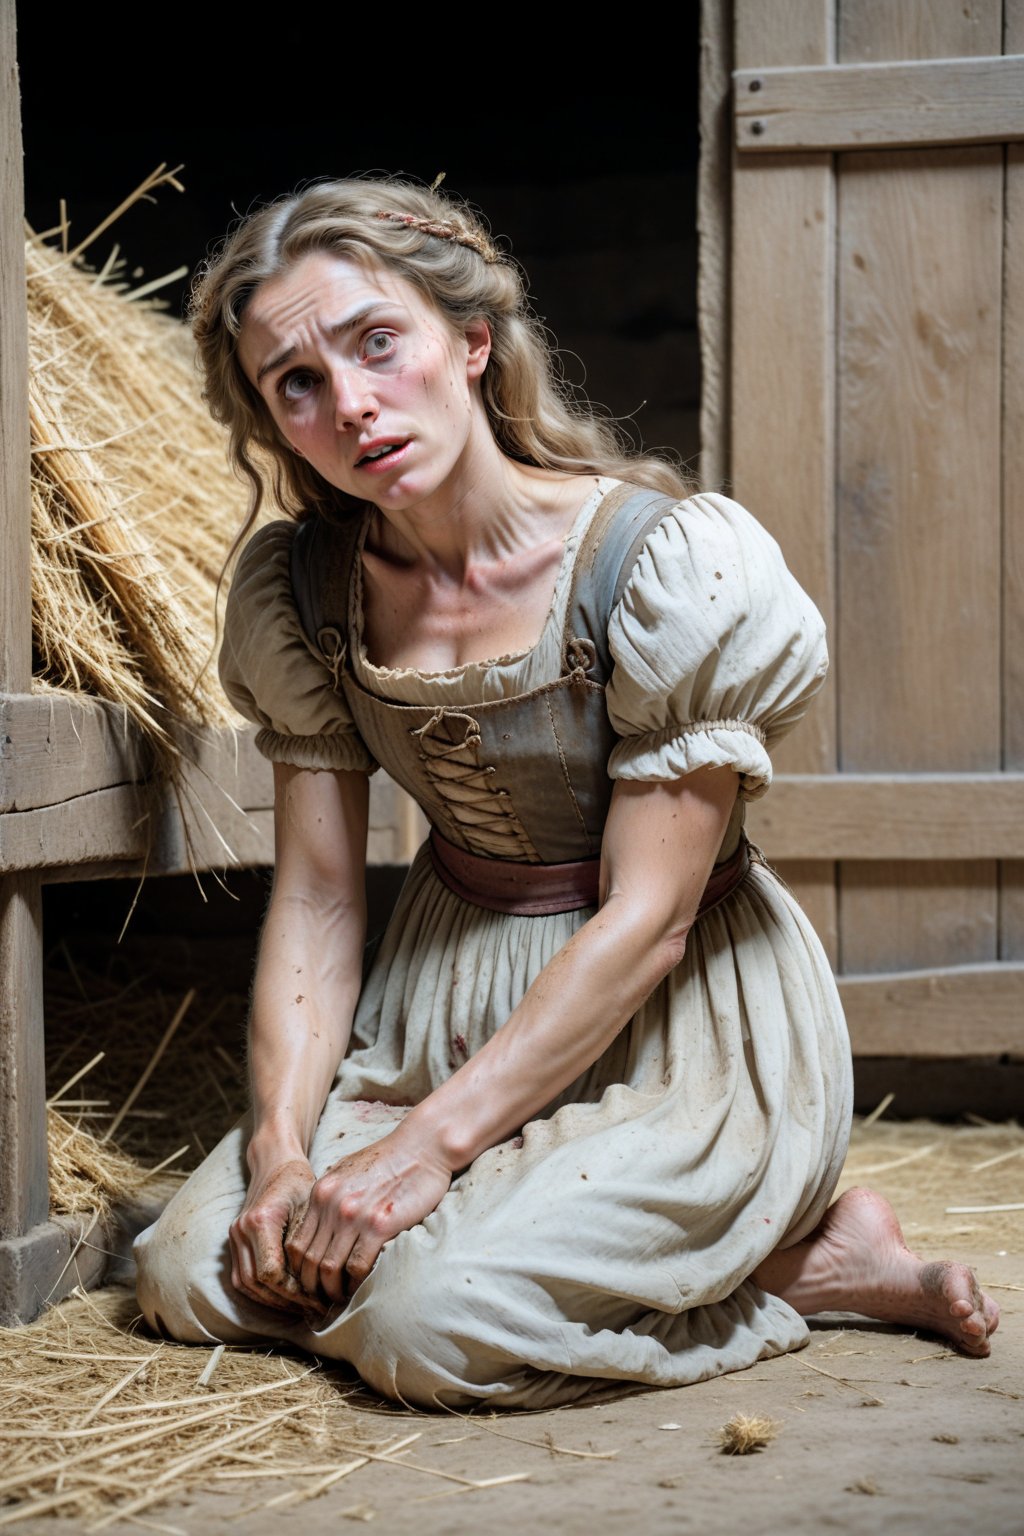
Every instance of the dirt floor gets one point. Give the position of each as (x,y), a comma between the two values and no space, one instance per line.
(910,1439)
(874,1428)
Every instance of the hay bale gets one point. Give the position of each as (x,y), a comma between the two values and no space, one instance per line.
(134,507)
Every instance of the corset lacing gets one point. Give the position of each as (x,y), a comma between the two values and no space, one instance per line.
(480,812)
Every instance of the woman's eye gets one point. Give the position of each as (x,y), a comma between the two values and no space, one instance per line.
(379,344)
(296,385)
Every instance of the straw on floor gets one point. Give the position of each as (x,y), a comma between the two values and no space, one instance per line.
(101,1423)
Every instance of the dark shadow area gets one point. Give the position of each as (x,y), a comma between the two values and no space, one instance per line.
(940,1089)
(180,926)
(588,176)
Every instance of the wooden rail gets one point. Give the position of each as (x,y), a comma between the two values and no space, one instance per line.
(891,816)
(880,106)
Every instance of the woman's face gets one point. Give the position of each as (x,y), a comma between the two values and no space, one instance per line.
(364,379)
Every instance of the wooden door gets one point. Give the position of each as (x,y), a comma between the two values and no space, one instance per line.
(862,208)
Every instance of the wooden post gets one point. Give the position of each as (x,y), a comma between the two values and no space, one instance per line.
(714,210)
(23,1179)
(36,1255)
(1011,903)
(23,1170)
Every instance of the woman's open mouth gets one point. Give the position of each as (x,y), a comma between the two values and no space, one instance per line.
(382,456)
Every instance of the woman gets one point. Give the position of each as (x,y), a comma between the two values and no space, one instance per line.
(598,1091)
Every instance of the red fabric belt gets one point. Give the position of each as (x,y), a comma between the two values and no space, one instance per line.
(532,890)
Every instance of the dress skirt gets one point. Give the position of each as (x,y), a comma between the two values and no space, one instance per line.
(613,1240)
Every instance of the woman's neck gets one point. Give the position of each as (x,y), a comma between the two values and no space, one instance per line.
(470,577)
(491,508)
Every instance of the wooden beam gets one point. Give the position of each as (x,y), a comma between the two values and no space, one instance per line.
(891,816)
(804,816)
(105,824)
(73,794)
(75,791)
(969,1010)
(56,746)
(133,823)
(880,106)
(44,1265)
(119,816)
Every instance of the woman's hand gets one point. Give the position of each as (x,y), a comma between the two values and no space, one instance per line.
(259,1269)
(357,1206)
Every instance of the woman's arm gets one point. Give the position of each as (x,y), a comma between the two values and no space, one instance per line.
(659,847)
(307,981)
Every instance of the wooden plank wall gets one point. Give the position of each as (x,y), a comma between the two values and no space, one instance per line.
(918,519)
(877,308)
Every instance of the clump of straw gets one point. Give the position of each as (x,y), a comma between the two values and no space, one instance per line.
(88,1176)
(745,1434)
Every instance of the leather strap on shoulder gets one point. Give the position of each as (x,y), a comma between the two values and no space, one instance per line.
(605,560)
(321,567)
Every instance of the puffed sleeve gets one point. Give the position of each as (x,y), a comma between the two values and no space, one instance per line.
(270,672)
(717,651)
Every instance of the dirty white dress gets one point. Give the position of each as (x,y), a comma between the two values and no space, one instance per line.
(613,1241)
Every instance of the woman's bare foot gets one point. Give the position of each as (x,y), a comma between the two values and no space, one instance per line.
(856,1261)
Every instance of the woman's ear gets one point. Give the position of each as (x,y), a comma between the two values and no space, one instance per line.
(478,342)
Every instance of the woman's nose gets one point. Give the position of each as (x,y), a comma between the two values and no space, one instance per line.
(354,400)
